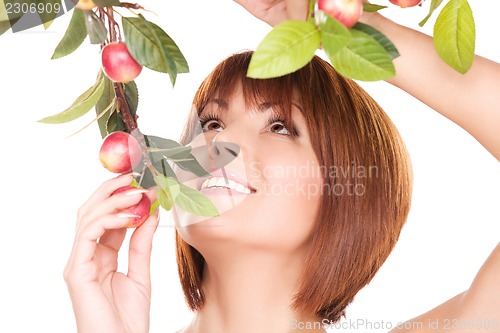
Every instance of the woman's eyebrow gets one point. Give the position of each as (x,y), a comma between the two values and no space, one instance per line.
(262,107)
(222,104)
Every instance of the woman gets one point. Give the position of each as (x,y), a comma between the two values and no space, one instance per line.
(267,264)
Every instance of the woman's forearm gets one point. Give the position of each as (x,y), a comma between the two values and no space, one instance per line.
(472,100)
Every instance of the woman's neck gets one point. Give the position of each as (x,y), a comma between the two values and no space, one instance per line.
(250,291)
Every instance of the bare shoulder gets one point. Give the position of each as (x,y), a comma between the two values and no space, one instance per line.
(475,310)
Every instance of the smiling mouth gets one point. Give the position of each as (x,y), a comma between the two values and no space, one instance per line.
(220,182)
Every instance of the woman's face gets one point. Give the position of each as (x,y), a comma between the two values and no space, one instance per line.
(276,203)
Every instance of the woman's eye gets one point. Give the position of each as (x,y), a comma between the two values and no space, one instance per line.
(279,127)
(211,125)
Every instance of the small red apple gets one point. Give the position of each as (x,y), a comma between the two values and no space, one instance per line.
(118,63)
(120,152)
(406,3)
(141,209)
(347,12)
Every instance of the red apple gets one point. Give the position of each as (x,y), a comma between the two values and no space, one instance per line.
(141,209)
(118,63)
(406,3)
(347,12)
(120,152)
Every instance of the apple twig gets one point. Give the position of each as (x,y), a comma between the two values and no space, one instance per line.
(129,121)
(131,126)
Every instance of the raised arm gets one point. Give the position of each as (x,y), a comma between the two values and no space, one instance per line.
(471,100)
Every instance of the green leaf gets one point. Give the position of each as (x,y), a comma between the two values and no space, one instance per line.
(171,153)
(189,163)
(379,37)
(81,106)
(193,166)
(455,35)
(174,186)
(108,97)
(164,196)
(363,59)
(105,113)
(180,62)
(156,143)
(154,206)
(147,180)
(159,142)
(95,28)
(107,3)
(74,36)
(288,47)
(152,47)
(134,183)
(132,96)
(166,169)
(334,35)
(434,5)
(115,122)
(371,7)
(193,201)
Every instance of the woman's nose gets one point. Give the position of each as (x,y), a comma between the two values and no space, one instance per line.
(216,154)
(224,148)
(222,153)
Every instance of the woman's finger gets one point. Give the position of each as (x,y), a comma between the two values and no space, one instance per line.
(112,204)
(140,250)
(113,239)
(86,242)
(105,190)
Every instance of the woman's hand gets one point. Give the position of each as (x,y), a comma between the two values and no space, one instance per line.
(274,12)
(105,300)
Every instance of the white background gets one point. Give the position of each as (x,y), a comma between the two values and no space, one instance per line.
(453,224)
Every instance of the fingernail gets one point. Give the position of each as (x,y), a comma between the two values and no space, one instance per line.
(136,191)
(127,215)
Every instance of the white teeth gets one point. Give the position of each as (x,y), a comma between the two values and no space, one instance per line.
(241,188)
(212,182)
(223,182)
